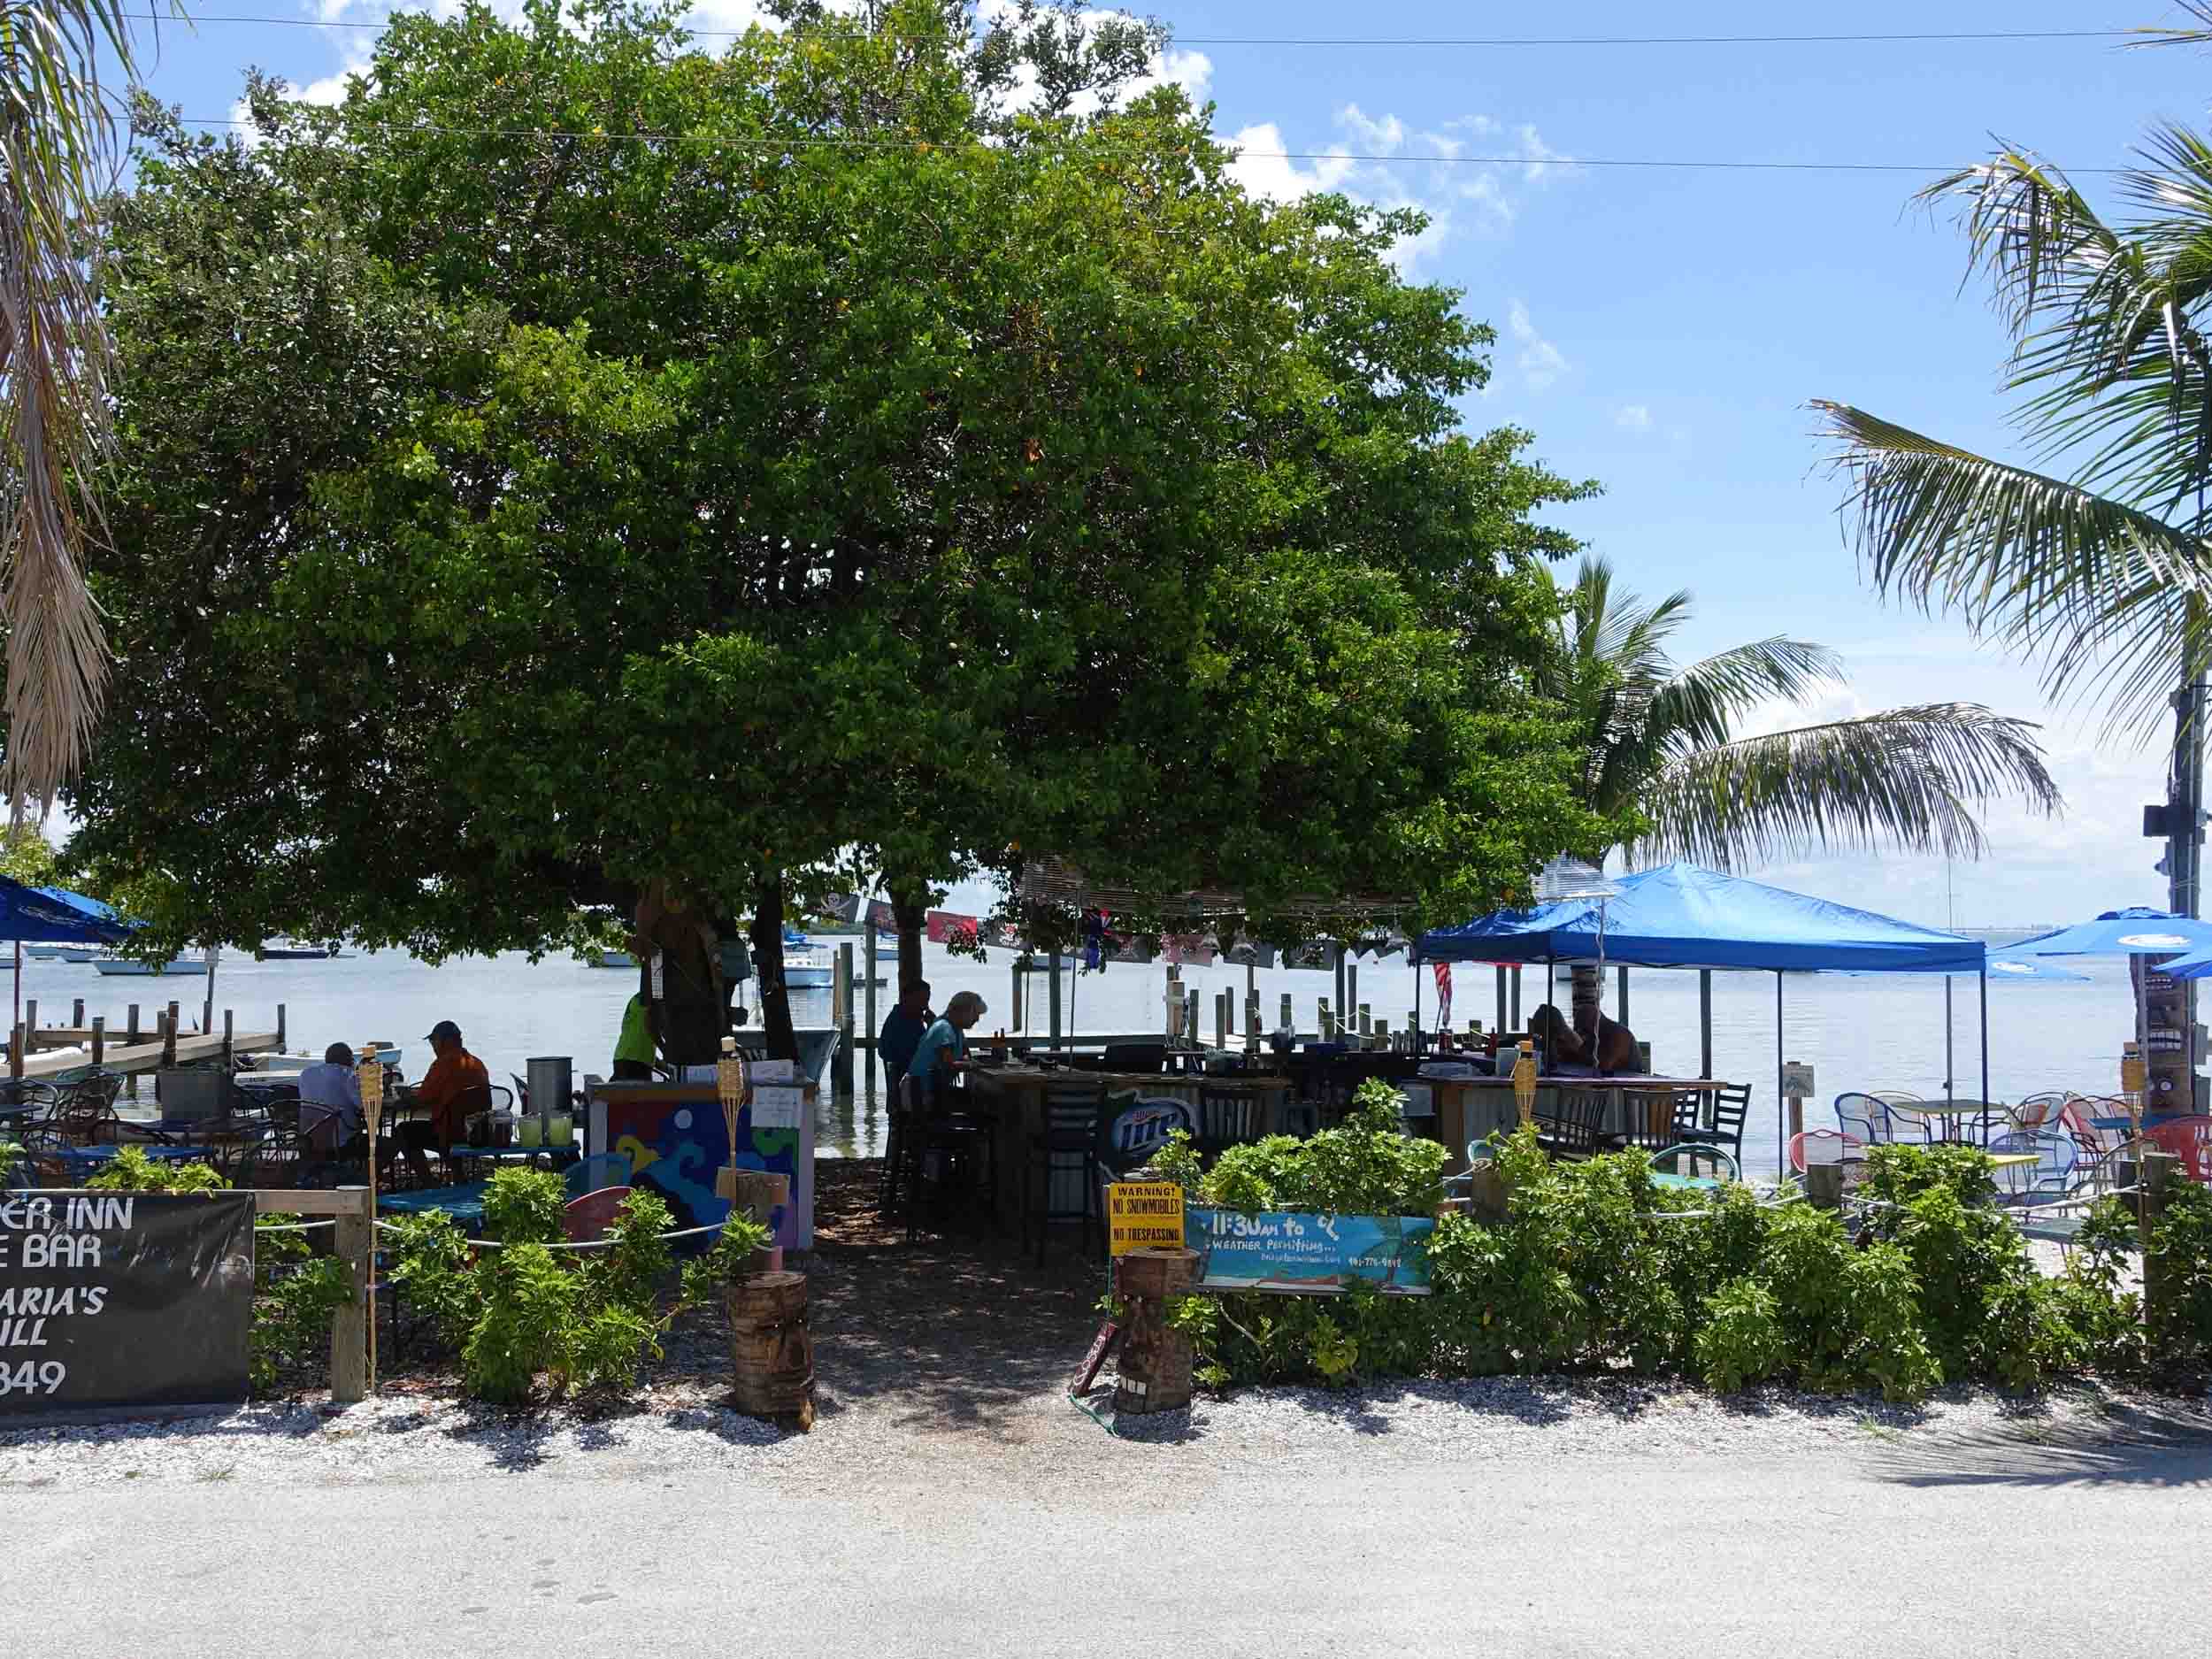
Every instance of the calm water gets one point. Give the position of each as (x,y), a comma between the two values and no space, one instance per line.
(1858,1033)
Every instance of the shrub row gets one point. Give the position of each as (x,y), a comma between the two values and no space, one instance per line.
(1596,1268)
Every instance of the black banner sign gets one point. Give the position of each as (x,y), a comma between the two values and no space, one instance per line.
(124,1299)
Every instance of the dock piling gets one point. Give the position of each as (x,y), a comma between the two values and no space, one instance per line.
(842,1062)
(168,1019)
(130,1031)
(76,1015)
(15,1055)
(30,1023)
(279,1028)
(99,1038)
(226,1039)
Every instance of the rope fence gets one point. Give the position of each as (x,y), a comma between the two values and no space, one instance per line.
(585,1244)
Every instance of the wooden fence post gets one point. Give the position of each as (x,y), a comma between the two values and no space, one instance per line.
(173,1032)
(226,1039)
(279,1028)
(76,1015)
(168,1019)
(130,1031)
(350,1330)
(99,1038)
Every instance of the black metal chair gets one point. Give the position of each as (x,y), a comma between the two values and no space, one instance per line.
(1574,1127)
(1226,1120)
(943,1146)
(1721,1124)
(1651,1118)
(1068,1145)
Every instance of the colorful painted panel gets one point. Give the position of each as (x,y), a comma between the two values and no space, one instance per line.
(1280,1249)
(675,1147)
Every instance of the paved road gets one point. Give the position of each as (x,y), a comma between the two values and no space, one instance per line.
(2015,1547)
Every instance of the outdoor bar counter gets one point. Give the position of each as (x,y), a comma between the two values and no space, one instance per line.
(1470,1109)
(1015,1093)
(675,1138)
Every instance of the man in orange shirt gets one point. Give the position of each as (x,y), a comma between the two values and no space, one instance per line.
(455,1087)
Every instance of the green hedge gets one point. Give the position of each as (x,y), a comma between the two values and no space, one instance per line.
(1595,1268)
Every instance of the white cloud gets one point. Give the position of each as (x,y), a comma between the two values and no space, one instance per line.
(1471,174)
(1632,418)
(1542,362)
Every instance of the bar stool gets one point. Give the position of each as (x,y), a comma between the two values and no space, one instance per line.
(955,1144)
(1068,1145)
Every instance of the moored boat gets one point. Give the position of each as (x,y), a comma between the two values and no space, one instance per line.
(132,967)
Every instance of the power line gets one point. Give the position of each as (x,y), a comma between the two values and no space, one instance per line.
(721,141)
(1966,37)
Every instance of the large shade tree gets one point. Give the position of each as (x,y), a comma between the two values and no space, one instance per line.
(591,475)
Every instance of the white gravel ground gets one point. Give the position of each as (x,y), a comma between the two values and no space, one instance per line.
(396,1439)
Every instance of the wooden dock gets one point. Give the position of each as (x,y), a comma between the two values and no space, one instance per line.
(128,1048)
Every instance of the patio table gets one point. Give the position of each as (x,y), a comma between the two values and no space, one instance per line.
(464,1202)
(88,1157)
(1948,1117)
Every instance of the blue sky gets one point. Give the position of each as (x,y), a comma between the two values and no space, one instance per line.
(1661,330)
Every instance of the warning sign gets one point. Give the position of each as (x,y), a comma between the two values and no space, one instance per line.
(1143,1212)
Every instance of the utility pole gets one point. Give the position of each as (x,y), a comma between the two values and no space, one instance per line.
(2185,844)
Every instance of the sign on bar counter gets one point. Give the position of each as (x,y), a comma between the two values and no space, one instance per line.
(1280,1249)
(124,1299)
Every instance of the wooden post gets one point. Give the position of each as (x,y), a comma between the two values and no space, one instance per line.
(1155,1366)
(349,1334)
(1290,1019)
(76,1015)
(30,1021)
(15,1054)
(227,1038)
(99,1039)
(130,1028)
(1053,1005)
(1221,1019)
(168,1019)
(1327,1023)
(1517,998)
(841,1063)
(2159,1173)
(279,1028)
(1351,998)
(173,1017)
(1501,1025)
(868,994)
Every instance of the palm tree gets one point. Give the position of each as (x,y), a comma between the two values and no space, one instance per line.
(58,129)
(2093,558)
(1666,745)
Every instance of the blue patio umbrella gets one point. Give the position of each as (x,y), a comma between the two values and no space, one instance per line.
(54,916)
(2133,932)
(2004,967)
(2195,965)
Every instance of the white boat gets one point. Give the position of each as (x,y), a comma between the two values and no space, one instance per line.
(295,950)
(44,953)
(611,959)
(81,955)
(131,965)
(808,968)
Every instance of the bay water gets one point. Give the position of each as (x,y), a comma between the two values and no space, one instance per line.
(1858,1031)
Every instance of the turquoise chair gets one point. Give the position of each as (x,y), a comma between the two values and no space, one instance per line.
(601,1169)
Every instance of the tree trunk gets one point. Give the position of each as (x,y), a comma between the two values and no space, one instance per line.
(908,908)
(688,1017)
(775,997)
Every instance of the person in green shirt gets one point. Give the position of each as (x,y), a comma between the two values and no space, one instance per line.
(635,1050)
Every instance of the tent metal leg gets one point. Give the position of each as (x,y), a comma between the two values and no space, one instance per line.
(1781,1118)
(1705,1023)
(1950,1070)
(1985,1053)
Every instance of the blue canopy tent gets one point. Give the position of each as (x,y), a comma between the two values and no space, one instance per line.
(53,916)
(1682,916)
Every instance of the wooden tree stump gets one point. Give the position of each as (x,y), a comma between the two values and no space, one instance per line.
(1155,1368)
(771,1349)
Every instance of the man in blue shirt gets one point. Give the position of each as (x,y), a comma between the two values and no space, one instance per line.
(902,1031)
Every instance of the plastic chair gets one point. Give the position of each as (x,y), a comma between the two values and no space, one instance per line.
(2188,1139)
(586,1218)
(2051,1176)
(1697,1152)
(1824,1146)
(600,1169)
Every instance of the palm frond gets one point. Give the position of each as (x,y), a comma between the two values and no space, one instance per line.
(58,155)
(2166,34)
(2111,598)
(1701,704)
(1912,777)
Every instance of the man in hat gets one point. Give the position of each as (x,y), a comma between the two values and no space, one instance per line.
(456,1086)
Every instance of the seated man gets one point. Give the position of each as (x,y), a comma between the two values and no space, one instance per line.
(455,1087)
(902,1028)
(1611,1046)
(330,1101)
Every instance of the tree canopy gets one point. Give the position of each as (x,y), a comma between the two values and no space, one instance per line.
(578,464)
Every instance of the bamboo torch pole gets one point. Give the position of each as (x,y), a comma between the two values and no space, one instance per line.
(372,1117)
(735,1088)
